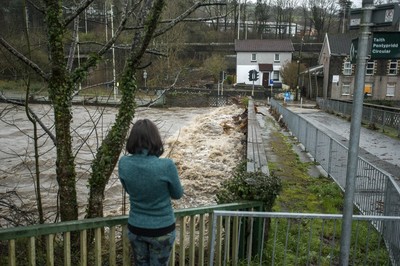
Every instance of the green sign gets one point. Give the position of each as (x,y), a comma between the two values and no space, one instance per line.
(385,45)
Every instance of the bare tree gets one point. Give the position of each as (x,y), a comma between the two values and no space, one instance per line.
(322,12)
(143,20)
(262,15)
(290,73)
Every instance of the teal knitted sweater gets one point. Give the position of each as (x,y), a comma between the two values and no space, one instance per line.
(151,182)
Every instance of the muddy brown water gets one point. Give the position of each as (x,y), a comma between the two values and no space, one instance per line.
(195,138)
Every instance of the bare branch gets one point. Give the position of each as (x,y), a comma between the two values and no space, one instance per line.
(91,86)
(156,52)
(152,102)
(16,215)
(84,139)
(79,10)
(37,119)
(40,9)
(166,21)
(183,16)
(23,58)
(92,60)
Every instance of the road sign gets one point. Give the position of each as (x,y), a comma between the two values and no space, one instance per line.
(382,16)
(385,45)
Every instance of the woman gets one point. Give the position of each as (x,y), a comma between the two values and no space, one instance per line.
(151,182)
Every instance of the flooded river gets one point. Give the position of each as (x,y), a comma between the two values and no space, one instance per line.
(205,143)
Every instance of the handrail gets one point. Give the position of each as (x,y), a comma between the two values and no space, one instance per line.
(304,239)
(92,223)
(383,116)
(61,227)
(193,226)
(212,208)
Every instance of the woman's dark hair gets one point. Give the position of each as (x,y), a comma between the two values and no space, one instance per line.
(145,135)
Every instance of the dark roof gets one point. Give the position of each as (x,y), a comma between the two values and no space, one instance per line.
(265,67)
(267,45)
(308,47)
(340,43)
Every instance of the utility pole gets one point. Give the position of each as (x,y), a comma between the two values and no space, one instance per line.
(298,70)
(355,128)
(113,54)
(238,32)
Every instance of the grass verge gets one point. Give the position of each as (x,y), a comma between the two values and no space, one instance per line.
(308,241)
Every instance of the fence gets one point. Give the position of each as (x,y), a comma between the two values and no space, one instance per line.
(256,157)
(376,192)
(69,243)
(371,114)
(297,239)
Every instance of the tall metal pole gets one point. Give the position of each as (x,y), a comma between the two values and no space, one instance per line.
(238,33)
(355,128)
(298,70)
(113,54)
(79,54)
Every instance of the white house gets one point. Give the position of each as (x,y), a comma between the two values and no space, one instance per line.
(265,56)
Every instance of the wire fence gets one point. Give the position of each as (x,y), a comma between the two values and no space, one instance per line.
(384,117)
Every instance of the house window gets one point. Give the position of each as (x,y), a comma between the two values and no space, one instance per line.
(392,67)
(345,89)
(368,89)
(390,88)
(277,58)
(347,68)
(275,75)
(370,68)
(253,57)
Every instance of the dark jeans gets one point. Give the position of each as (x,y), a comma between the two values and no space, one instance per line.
(151,251)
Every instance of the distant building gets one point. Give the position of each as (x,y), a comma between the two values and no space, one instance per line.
(270,27)
(265,56)
(382,75)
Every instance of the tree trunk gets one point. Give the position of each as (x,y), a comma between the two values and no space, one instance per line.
(108,154)
(60,91)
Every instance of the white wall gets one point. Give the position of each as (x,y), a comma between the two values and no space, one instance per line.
(243,74)
(244,64)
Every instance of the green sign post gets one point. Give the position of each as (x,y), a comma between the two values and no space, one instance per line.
(385,45)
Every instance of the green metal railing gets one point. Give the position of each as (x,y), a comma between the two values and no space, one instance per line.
(103,241)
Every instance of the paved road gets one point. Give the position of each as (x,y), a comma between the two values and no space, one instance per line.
(377,148)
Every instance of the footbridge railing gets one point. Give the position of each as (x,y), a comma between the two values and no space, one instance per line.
(298,239)
(104,241)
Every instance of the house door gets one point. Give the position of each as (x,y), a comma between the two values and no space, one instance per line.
(265,81)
